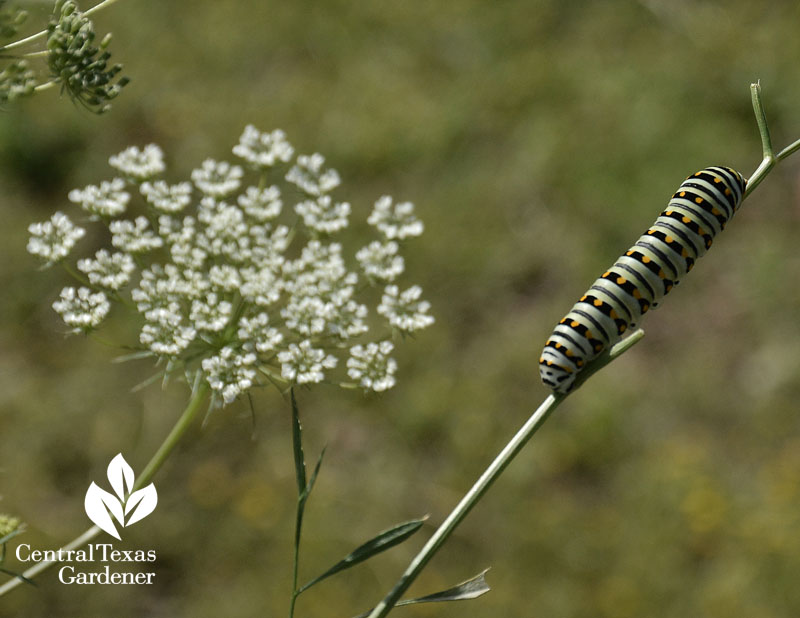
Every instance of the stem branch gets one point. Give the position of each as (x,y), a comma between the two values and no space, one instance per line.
(40,35)
(769,159)
(183,423)
(488,477)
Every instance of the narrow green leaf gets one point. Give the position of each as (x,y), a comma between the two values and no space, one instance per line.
(383,541)
(313,478)
(133,356)
(470,589)
(146,382)
(297,444)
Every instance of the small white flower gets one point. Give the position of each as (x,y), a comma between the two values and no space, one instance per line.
(260,286)
(167,286)
(266,248)
(348,320)
(307,174)
(371,366)
(107,200)
(308,315)
(225,277)
(263,149)
(395,222)
(134,236)
(262,205)
(168,199)
(112,271)
(257,332)
(323,215)
(304,364)
(167,336)
(53,240)
(181,235)
(380,261)
(405,311)
(230,373)
(217,178)
(210,314)
(82,309)
(226,231)
(139,164)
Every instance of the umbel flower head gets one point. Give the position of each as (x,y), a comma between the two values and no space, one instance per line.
(240,280)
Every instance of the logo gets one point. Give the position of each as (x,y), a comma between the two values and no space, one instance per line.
(127,506)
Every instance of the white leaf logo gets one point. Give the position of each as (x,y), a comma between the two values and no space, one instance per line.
(101,505)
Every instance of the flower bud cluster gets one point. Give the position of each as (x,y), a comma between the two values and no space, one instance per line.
(8,524)
(80,66)
(16,81)
(228,282)
(11,18)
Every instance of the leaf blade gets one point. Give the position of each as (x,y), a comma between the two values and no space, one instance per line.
(379,543)
(297,447)
(470,589)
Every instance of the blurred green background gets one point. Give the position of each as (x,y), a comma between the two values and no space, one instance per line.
(538,140)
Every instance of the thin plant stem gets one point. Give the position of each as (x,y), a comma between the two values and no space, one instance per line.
(186,419)
(46,564)
(770,159)
(542,413)
(99,6)
(488,477)
(296,559)
(45,86)
(40,35)
(184,422)
(302,495)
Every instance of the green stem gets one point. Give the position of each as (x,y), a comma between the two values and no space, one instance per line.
(490,475)
(99,6)
(769,159)
(467,502)
(45,86)
(40,35)
(302,487)
(72,272)
(790,149)
(185,420)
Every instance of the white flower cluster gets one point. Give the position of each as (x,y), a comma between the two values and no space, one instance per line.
(263,150)
(217,178)
(53,240)
(139,164)
(82,309)
(107,200)
(165,198)
(372,366)
(396,221)
(222,289)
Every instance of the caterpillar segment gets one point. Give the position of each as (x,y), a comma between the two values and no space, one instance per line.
(643,275)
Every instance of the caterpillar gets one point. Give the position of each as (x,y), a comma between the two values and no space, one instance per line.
(640,278)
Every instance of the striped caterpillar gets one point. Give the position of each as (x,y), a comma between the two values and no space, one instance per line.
(640,278)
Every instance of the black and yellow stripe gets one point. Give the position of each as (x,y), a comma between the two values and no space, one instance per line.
(640,278)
